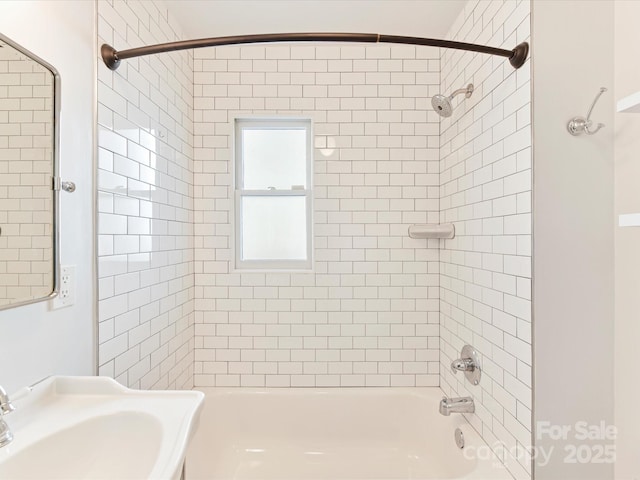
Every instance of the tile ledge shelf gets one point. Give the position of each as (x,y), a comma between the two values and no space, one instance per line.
(432,230)
(629,104)
(629,220)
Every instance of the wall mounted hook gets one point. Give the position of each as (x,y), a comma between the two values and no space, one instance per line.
(579,125)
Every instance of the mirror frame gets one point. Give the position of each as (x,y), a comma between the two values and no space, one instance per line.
(55,163)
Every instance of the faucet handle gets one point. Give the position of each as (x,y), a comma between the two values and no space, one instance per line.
(5,404)
(469,363)
(463,365)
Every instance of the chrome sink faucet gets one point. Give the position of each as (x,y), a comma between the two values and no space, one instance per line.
(456,405)
(5,407)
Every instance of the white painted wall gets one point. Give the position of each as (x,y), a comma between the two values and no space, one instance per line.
(627,200)
(34,341)
(421,18)
(573,220)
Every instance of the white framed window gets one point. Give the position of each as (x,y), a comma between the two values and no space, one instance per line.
(273,194)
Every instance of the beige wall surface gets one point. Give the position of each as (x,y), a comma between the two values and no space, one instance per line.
(627,240)
(573,230)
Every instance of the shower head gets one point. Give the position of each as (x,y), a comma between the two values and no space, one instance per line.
(442,104)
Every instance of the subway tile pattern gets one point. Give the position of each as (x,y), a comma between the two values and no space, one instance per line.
(145,183)
(368,314)
(485,190)
(26,140)
(379,308)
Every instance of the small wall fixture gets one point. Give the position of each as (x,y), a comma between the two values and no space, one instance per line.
(442,103)
(432,230)
(579,125)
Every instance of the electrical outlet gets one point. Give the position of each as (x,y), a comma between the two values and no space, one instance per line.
(67,294)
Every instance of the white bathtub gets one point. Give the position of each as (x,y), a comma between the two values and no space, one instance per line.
(341,433)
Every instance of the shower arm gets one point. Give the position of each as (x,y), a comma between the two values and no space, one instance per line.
(112,57)
(458,92)
(468,90)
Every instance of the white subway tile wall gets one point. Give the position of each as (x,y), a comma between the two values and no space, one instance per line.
(485,178)
(379,308)
(368,314)
(26,166)
(145,183)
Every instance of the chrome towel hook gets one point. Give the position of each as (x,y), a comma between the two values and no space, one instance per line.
(580,125)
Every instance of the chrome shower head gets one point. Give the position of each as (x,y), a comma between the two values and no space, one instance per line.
(442,104)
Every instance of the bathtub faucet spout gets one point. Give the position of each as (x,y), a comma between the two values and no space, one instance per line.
(456,405)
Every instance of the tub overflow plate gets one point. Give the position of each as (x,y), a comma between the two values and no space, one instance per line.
(459,436)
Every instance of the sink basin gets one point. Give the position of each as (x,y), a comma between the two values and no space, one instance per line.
(93,428)
(68,454)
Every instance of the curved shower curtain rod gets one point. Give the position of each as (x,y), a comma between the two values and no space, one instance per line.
(112,57)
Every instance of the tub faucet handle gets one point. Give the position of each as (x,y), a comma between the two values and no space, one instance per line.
(469,363)
(463,365)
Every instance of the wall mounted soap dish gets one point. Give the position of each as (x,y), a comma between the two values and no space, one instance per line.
(432,230)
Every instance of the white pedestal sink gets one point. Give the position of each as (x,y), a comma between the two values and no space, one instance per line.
(93,428)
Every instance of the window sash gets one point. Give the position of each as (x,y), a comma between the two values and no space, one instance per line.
(270,124)
(280,264)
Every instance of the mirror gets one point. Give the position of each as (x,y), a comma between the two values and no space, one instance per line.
(29,99)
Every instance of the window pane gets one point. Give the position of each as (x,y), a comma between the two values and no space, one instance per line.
(274,228)
(274,158)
